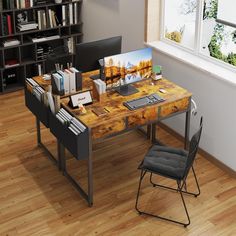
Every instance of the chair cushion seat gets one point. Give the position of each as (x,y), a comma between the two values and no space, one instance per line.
(166,161)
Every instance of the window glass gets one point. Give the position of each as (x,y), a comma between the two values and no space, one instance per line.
(180,21)
(218,35)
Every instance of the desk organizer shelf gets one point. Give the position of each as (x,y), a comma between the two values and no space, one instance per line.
(78,145)
(37,107)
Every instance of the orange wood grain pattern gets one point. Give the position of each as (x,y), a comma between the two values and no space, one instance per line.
(113,103)
(176,99)
(142,117)
(43,83)
(108,129)
(174,107)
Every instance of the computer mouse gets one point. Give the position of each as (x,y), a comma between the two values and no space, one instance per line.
(162,90)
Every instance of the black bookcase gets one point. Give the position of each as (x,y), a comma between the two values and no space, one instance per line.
(30,30)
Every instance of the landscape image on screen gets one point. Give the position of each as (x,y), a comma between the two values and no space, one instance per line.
(128,67)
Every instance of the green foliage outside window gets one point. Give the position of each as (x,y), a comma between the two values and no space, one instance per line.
(210,11)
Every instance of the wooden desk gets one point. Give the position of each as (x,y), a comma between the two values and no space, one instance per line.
(120,119)
(117,120)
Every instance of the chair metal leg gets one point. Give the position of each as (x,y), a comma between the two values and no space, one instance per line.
(157,216)
(195,177)
(139,186)
(182,197)
(176,189)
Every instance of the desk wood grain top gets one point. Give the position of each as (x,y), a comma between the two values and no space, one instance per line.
(175,96)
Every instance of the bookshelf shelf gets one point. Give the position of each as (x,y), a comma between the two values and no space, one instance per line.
(29,34)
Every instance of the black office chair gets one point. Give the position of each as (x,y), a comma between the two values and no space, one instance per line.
(172,163)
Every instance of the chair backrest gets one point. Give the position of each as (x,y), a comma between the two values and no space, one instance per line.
(193,148)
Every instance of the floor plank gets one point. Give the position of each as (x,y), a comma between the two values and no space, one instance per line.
(35,199)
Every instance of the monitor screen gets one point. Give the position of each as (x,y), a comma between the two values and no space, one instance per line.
(127,68)
(88,54)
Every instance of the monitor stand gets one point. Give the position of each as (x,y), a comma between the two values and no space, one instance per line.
(99,76)
(94,77)
(126,90)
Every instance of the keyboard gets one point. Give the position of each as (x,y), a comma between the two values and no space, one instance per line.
(143,101)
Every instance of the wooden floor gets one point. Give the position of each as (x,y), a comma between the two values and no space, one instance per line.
(36,199)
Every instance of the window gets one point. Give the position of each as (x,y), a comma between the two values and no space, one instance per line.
(205,27)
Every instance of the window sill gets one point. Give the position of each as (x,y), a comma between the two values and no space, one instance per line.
(206,66)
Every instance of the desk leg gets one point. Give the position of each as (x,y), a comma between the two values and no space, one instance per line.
(40,144)
(153,130)
(90,173)
(61,156)
(38,131)
(187,129)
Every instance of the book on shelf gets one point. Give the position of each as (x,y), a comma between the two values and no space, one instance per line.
(71,45)
(75,13)
(71,14)
(44,38)
(7,4)
(64,22)
(10,42)
(40,2)
(27,26)
(11,63)
(42,22)
(52,18)
(9,24)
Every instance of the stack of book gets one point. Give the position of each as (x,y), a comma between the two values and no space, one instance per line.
(27,26)
(37,90)
(42,38)
(10,42)
(43,51)
(73,124)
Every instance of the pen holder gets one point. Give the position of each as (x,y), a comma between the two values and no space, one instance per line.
(97,96)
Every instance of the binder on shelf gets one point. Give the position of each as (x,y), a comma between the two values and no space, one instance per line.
(72,80)
(70,136)
(56,84)
(78,78)
(36,106)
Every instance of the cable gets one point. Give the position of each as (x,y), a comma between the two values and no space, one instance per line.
(194,109)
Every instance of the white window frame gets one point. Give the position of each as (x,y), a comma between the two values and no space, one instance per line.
(198,37)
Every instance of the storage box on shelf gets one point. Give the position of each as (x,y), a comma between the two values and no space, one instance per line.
(30,30)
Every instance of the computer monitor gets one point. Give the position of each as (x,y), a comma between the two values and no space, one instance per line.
(124,69)
(88,54)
